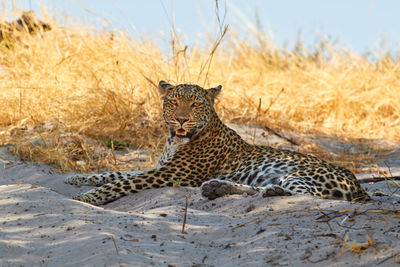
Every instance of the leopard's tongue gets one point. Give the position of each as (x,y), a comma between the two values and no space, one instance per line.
(181,132)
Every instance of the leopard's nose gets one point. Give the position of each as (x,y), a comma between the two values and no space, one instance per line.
(181,120)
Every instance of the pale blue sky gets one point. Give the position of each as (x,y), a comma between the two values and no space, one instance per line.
(357,24)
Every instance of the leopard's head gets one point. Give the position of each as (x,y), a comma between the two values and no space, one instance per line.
(187,108)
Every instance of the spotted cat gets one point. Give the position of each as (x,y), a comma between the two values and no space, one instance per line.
(202,151)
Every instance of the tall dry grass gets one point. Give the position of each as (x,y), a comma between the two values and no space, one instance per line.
(103,85)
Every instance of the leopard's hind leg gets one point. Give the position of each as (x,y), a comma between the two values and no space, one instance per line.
(298,185)
(99,179)
(292,184)
(215,188)
(337,186)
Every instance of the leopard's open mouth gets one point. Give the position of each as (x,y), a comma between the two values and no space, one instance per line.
(181,132)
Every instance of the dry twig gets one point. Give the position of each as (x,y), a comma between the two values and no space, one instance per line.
(396,257)
(115,244)
(185,215)
(281,136)
(377,179)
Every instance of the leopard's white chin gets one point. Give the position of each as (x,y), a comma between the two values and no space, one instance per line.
(179,140)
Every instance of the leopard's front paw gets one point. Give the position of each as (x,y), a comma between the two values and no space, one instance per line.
(216,188)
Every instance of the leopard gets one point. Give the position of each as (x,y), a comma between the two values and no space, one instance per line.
(202,151)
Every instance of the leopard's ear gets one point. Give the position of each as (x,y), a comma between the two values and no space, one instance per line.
(164,88)
(214,92)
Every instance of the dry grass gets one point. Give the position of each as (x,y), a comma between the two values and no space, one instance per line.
(101,85)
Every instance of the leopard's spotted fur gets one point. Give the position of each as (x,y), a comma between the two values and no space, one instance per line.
(200,149)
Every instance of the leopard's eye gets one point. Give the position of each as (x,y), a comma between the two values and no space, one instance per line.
(196,104)
(173,102)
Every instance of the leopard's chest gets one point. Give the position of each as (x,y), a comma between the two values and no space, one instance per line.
(170,148)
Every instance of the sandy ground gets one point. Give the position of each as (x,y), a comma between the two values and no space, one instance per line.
(41,226)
